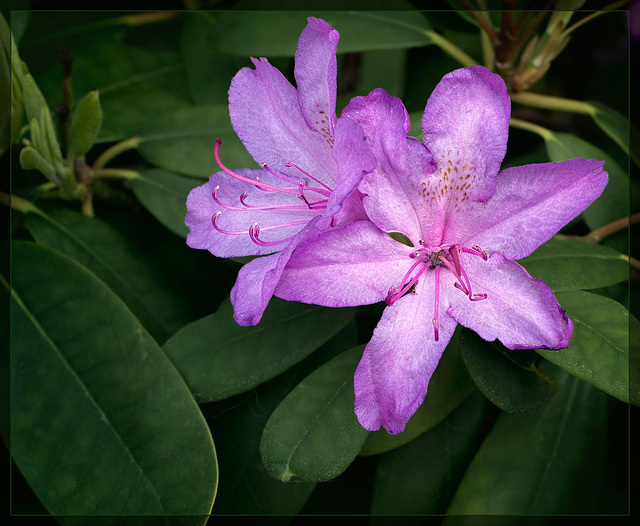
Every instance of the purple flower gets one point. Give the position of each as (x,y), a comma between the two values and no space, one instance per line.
(466,224)
(311,164)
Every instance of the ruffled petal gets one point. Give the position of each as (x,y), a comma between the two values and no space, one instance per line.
(392,199)
(353,265)
(266,115)
(315,73)
(465,126)
(353,158)
(530,205)
(392,378)
(201,207)
(520,311)
(258,279)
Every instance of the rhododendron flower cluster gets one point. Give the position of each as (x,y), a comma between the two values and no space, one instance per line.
(331,192)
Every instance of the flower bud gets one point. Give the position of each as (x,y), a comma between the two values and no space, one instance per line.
(85,124)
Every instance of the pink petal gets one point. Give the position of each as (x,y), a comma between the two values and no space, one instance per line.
(465,126)
(353,265)
(315,73)
(266,115)
(519,311)
(530,205)
(392,378)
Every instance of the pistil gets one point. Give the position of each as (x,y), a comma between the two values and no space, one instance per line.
(443,257)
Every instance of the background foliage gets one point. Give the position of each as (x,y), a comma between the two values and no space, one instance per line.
(126,366)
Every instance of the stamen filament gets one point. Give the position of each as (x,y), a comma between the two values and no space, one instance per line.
(214,222)
(246,207)
(254,232)
(256,182)
(435,321)
(290,165)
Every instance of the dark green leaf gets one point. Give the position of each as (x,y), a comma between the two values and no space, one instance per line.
(248,488)
(634,361)
(616,126)
(449,386)
(614,201)
(164,194)
(120,264)
(506,384)
(243,32)
(528,463)
(314,433)
(135,83)
(208,72)
(182,141)
(421,477)
(218,358)
(567,265)
(598,351)
(101,423)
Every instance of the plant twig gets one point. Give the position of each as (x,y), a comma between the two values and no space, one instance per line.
(548,102)
(114,173)
(597,235)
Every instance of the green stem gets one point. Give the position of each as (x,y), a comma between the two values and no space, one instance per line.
(610,7)
(114,173)
(17,203)
(533,128)
(115,150)
(548,102)
(451,49)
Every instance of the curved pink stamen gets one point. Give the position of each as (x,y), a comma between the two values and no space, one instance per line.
(254,232)
(437,307)
(214,222)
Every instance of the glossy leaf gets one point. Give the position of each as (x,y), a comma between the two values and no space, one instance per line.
(420,478)
(85,124)
(567,265)
(314,433)
(507,384)
(101,423)
(164,195)
(243,32)
(219,358)
(449,386)
(614,201)
(616,126)
(528,463)
(248,488)
(182,141)
(120,264)
(598,351)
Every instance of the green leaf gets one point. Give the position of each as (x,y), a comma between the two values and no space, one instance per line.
(164,194)
(101,422)
(33,99)
(219,358)
(421,477)
(567,265)
(135,83)
(616,126)
(208,72)
(507,384)
(528,463)
(598,351)
(614,201)
(448,387)
(243,32)
(85,124)
(314,433)
(120,264)
(182,141)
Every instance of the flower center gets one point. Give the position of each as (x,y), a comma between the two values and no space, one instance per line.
(314,199)
(444,257)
